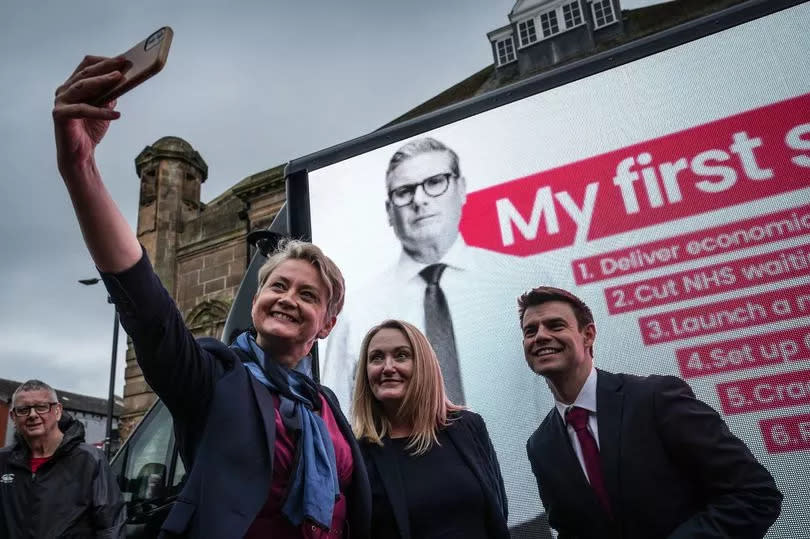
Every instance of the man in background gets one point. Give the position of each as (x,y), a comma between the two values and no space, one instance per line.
(630,456)
(52,484)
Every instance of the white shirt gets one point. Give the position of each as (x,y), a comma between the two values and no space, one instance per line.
(587,400)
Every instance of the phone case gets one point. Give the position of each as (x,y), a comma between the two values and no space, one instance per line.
(146,59)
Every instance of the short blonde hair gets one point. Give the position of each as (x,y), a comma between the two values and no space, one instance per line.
(301,250)
(425,406)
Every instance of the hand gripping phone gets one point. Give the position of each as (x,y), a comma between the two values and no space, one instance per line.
(144,60)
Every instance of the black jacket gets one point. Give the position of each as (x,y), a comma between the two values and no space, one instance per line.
(223,417)
(468,434)
(73,495)
(672,468)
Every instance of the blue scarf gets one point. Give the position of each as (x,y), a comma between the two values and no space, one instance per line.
(314,483)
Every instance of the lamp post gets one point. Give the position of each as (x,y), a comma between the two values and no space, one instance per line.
(111,395)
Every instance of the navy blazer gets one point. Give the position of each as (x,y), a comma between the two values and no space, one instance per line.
(468,433)
(224,418)
(671,466)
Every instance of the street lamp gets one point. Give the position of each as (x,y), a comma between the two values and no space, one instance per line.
(111,396)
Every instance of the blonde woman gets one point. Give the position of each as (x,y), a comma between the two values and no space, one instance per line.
(431,465)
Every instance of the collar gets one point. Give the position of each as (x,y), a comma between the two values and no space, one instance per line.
(586,398)
(457,257)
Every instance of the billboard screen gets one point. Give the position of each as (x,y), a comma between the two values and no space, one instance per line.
(671,193)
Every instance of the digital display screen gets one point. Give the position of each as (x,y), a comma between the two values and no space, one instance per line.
(672,194)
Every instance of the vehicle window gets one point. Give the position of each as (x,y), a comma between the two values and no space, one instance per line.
(148,457)
(179,475)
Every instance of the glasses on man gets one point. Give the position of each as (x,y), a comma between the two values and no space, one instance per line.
(41,409)
(433,187)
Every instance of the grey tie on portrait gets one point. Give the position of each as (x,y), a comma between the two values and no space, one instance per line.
(439,331)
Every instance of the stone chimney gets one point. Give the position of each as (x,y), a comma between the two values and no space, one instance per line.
(171,173)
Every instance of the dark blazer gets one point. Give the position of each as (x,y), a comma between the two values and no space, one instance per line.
(469,435)
(672,468)
(224,419)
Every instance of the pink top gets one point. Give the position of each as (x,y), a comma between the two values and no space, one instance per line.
(36,462)
(270,522)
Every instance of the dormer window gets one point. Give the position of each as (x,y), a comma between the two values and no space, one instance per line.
(527,32)
(505,48)
(549,24)
(603,13)
(542,33)
(572,14)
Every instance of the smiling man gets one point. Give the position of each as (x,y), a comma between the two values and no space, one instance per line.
(628,456)
(52,484)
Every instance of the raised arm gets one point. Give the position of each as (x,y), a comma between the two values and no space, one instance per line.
(172,361)
(79,127)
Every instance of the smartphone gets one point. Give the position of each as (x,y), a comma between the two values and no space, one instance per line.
(144,60)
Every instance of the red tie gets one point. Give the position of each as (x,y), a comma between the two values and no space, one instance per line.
(578,418)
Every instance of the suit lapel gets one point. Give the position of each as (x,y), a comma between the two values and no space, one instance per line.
(463,442)
(461,436)
(609,405)
(565,459)
(264,400)
(388,469)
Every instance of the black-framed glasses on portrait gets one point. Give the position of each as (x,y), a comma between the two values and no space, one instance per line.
(41,409)
(433,187)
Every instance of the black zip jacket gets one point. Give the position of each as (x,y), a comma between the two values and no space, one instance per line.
(73,495)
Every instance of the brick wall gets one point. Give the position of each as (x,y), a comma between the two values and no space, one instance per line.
(199,250)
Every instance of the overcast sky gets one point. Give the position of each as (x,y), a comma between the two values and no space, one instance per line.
(249,85)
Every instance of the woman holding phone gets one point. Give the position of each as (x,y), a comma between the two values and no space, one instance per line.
(269,452)
(431,464)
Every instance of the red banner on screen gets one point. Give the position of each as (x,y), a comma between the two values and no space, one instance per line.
(764,393)
(737,313)
(745,353)
(745,157)
(783,434)
(756,231)
(708,280)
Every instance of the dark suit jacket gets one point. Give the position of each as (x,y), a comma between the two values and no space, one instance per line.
(468,434)
(224,419)
(672,468)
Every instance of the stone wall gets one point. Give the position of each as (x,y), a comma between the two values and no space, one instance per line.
(198,250)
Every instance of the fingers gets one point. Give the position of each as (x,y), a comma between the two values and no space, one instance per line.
(87,61)
(87,90)
(93,76)
(91,66)
(83,110)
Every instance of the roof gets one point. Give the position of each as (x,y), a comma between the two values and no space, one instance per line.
(522,6)
(639,22)
(72,402)
(173,143)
